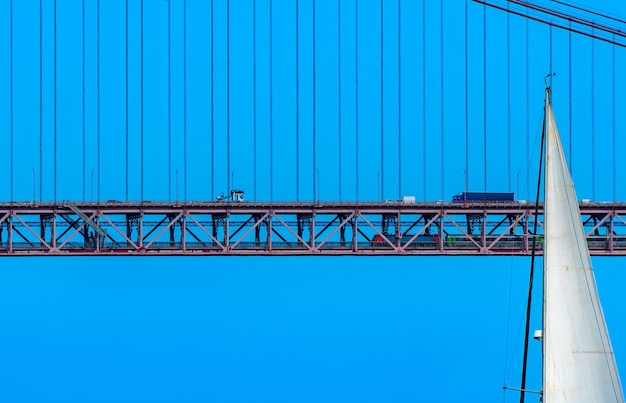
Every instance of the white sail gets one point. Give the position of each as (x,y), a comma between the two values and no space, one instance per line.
(579,365)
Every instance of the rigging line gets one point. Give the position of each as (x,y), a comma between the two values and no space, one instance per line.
(99,94)
(485,95)
(213,108)
(254,132)
(126,60)
(55,100)
(424,96)
(339,91)
(297,100)
(271,105)
(356,97)
(141,117)
(593,120)
(11,93)
(399,100)
(442,103)
(314,106)
(228,174)
(41,100)
(185,100)
(532,266)
(382,103)
(466,101)
(169,100)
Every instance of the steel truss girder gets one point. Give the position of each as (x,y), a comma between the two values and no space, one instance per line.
(291,229)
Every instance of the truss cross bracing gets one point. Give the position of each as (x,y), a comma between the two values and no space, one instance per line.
(217,228)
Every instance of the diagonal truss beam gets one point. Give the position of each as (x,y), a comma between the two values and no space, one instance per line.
(168,226)
(203,229)
(116,228)
(33,232)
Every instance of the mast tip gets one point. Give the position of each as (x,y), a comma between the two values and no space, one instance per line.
(545,79)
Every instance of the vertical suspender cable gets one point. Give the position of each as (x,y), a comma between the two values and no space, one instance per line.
(55,101)
(297,100)
(569,56)
(41,100)
(228,95)
(382,102)
(169,100)
(527,112)
(613,123)
(98,80)
(466,103)
(550,50)
(185,100)
(84,118)
(254,91)
(356,98)
(508,99)
(485,97)
(399,99)
(339,92)
(126,60)
(11,95)
(314,106)
(593,119)
(271,105)
(508,113)
(141,117)
(424,96)
(550,59)
(212,109)
(443,161)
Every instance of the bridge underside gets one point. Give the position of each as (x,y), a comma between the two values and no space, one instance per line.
(217,228)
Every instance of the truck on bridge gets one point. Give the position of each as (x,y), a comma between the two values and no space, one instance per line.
(465,197)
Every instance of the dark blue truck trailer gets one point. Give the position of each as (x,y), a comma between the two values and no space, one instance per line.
(483,197)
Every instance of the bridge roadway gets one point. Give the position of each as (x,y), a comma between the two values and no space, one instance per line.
(146,228)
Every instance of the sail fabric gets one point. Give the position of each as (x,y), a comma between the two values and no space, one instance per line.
(579,365)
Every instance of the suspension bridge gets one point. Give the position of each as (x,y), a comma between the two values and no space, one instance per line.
(333,128)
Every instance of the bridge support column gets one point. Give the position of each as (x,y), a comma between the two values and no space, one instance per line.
(355,239)
(268,239)
(10,229)
(312,236)
(217,221)
(257,229)
(389,220)
(171,218)
(183,230)
(45,220)
(342,230)
(132,220)
(140,231)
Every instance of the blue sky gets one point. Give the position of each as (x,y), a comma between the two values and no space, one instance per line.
(284,329)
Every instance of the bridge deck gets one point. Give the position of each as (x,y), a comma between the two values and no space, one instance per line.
(291,228)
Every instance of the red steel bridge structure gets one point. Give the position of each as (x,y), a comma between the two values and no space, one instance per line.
(246,228)
(230,227)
